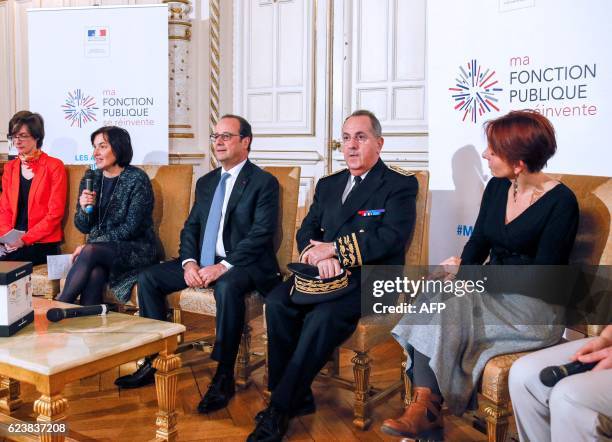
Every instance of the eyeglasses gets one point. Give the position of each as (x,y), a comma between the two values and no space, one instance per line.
(361,138)
(225,136)
(19,137)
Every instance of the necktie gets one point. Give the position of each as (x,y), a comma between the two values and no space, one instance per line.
(355,185)
(207,254)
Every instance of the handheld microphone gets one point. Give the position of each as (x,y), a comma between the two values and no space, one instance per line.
(89,186)
(57,314)
(549,376)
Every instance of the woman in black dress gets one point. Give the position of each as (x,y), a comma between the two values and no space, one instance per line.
(120,233)
(525,218)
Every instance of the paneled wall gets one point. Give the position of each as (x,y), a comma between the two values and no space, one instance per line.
(389,63)
(275,69)
(14,69)
(300,67)
(294,68)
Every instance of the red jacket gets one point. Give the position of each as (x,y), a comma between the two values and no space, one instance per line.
(46,203)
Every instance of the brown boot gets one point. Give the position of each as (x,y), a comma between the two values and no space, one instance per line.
(422,418)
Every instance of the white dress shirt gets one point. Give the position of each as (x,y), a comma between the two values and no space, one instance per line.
(229,186)
(350,184)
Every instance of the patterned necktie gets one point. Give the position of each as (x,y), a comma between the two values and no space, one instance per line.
(355,185)
(209,244)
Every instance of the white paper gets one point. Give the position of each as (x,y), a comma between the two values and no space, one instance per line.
(11,236)
(58,266)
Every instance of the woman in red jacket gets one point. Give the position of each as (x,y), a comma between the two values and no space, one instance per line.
(33,197)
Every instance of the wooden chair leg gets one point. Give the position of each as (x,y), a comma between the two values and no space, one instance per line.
(243,359)
(177,319)
(264,338)
(266,392)
(361,371)
(11,400)
(53,289)
(497,420)
(407,390)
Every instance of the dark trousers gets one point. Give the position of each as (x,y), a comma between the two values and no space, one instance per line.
(156,282)
(302,338)
(35,253)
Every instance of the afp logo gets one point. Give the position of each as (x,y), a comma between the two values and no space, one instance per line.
(475,92)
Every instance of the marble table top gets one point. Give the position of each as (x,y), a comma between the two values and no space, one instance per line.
(51,347)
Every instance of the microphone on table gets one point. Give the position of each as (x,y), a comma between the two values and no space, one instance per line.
(57,314)
(89,186)
(549,376)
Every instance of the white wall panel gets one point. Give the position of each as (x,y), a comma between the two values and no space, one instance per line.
(291,43)
(374,100)
(275,57)
(388,56)
(54,3)
(409,40)
(408,103)
(260,108)
(260,38)
(117,2)
(76,3)
(372,46)
(289,105)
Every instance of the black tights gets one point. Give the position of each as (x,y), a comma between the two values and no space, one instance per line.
(422,374)
(89,274)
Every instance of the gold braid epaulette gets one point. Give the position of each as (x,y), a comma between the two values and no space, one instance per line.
(401,171)
(333,173)
(348,250)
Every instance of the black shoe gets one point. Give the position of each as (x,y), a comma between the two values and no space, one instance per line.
(219,393)
(307,407)
(145,375)
(272,426)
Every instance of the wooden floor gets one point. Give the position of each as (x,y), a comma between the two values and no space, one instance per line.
(99,411)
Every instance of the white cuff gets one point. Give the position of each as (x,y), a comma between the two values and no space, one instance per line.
(186,261)
(227,264)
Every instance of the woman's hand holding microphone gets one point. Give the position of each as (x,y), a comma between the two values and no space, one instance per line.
(87,199)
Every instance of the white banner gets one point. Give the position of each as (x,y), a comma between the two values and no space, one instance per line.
(100,66)
(487,57)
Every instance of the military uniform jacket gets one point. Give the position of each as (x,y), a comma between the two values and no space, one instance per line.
(375,223)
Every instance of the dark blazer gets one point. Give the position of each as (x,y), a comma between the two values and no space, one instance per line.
(378,239)
(127,224)
(249,225)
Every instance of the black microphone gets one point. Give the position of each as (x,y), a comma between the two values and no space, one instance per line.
(89,186)
(57,314)
(549,376)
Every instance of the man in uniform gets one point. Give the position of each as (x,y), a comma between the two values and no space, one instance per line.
(361,215)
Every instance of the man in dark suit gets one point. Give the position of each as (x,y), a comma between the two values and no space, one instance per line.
(226,243)
(361,215)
